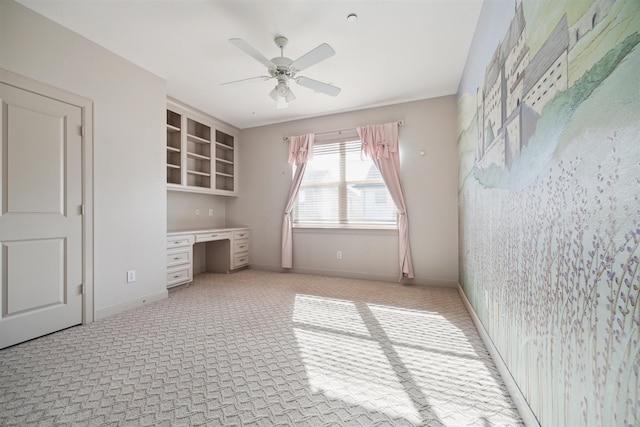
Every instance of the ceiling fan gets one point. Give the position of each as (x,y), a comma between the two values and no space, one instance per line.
(284,69)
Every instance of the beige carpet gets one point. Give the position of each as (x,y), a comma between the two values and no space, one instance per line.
(264,349)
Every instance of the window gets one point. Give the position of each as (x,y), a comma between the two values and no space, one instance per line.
(341,188)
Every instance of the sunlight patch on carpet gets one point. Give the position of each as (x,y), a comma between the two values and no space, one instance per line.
(422,328)
(329,313)
(355,371)
(459,390)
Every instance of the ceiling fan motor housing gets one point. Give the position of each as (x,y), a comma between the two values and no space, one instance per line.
(283,69)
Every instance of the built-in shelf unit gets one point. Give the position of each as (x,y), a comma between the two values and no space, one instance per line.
(202,152)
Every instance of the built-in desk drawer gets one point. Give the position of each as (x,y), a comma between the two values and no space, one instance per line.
(242,234)
(179,275)
(209,237)
(178,257)
(179,241)
(240,246)
(239,260)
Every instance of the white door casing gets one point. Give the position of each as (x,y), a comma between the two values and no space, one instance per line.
(43,258)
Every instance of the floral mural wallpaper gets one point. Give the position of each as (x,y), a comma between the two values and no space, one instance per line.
(549,196)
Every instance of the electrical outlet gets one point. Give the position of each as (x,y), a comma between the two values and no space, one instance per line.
(210,212)
(131,276)
(197,212)
(339,255)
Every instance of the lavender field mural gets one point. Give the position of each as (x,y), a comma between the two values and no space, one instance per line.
(549,195)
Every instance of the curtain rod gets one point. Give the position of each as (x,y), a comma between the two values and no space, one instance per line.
(286,138)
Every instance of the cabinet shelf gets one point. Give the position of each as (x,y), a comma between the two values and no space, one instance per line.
(223,146)
(229,162)
(171,166)
(174,149)
(198,139)
(192,172)
(197,156)
(171,128)
(224,174)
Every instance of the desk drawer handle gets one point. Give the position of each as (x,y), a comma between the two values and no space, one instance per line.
(177,276)
(176,258)
(177,242)
(213,235)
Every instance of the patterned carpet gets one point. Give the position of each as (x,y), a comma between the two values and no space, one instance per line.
(264,349)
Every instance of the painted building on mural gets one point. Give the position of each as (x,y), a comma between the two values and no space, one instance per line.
(547,73)
(589,19)
(516,87)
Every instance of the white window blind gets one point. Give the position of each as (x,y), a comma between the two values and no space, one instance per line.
(344,189)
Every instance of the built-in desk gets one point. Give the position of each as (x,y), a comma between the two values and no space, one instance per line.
(227,249)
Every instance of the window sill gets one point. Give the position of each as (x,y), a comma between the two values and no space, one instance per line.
(345,228)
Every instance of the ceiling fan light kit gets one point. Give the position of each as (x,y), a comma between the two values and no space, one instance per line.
(282,94)
(284,69)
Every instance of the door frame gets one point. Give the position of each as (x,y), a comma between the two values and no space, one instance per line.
(86,107)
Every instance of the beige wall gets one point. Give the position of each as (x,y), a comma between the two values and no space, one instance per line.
(129,154)
(181,211)
(430,183)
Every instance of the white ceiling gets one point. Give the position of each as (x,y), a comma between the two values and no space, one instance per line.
(397,50)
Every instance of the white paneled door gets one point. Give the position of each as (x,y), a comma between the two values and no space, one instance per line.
(40,215)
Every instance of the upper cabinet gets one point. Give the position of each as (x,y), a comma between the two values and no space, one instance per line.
(202,152)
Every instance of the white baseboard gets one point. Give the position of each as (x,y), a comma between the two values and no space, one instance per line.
(432,282)
(128,305)
(345,274)
(358,275)
(524,409)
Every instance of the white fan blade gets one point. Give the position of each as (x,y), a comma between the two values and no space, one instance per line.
(243,81)
(312,57)
(252,52)
(318,86)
